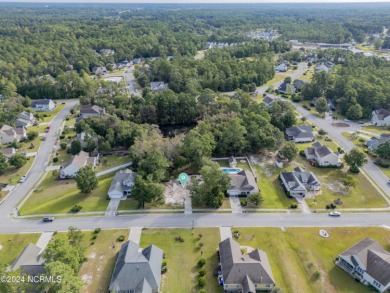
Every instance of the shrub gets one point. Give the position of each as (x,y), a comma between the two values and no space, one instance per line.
(332,206)
(322,132)
(97,230)
(202,272)
(67,118)
(362,140)
(354,169)
(327,207)
(55,159)
(293,206)
(62,136)
(302,153)
(200,236)
(76,209)
(202,282)
(92,242)
(94,236)
(179,239)
(121,238)
(202,291)
(63,145)
(316,275)
(201,262)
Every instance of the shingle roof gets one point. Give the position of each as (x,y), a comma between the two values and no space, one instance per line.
(300,131)
(244,269)
(297,179)
(79,160)
(374,142)
(382,113)
(40,102)
(30,261)
(137,271)
(91,109)
(299,84)
(243,180)
(372,255)
(268,100)
(158,86)
(121,179)
(7,151)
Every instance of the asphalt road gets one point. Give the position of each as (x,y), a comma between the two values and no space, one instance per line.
(40,163)
(130,80)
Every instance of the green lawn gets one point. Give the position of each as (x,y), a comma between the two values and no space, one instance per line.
(63,157)
(13,177)
(109,162)
(50,115)
(13,244)
(128,204)
(296,254)
(377,129)
(182,257)
(97,271)
(40,128)
(226,203)
(26,146)
(59,196)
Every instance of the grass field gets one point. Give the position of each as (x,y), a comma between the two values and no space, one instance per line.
(97,271)
(111,161)
(26,146)
(182,257)
(59,196)
(296,254)
(13,244)
(376,129)
(52,114)
(13,177)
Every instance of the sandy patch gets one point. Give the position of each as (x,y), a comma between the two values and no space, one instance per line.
(174,193)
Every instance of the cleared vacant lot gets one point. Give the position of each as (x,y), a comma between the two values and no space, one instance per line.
(297,254)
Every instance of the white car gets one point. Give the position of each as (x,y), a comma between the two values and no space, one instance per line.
(22,179)
(335,214)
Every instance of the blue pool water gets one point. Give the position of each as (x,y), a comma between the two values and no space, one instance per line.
(231,170)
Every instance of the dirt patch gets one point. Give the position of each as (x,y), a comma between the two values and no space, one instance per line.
(337,186)
(340,124)
(174,193)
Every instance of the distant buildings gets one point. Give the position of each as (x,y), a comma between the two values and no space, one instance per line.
(268,101)
(298,182)
(107,52)
(43,105)
(99,70)
(91,111)
(286,88)
(368,263)
(281,68)
(381,117)
(158,86)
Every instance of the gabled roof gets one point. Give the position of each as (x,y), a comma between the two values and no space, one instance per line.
(158,86)
(79,160)
(300,131)
(138,272)
(372,255)
(284,87)
(8,151)
(297,179)
(121,181)
(374,142)
(91,109)
(299,84)
(244,181)
(30,261)
(382,113)
(247,270)
(268,100)
(40,102)
(8,130)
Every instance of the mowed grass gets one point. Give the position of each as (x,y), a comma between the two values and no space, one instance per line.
(377,129)
(182,257)
(13,244)
(50,115)
(112,161)
(14,176)
(97,271)
(59,196)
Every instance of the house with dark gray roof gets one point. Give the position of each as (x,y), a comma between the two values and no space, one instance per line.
(299,84)
(137,271)
(381,117)
(322,155)
(286,88)
(8,152)
(303,133)
(268,101)
(43,105)
(10,134)
(91,111)
(158,86)
(25,119)
(242,183)
(99,70)
(30,261)
(374,142)
(298,182)
(367,262)
(122,184)
(246,273)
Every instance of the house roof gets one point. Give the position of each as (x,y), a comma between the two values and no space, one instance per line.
(297,179)
(8,151)
(268,100)
(137,271)
(284,86)
(158,86)
(79,160)
(91,109)
(299,84)
(382,113)
(300,131)
(244,181)
(30,260)
(372,255)
(122,180)
(374,142)
(322,67)
(247,270)
(8,130)
(40,102)
(232,160)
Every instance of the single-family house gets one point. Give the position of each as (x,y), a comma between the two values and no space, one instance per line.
(137,61)
(281,68)
(268,101)
(232,161)
(25,119)
(300,134)
(299,84)
(99,70)
(329,64)
(8,152)
(122,184)
(381,117)
(10,134)
(158,86)
(242,183)
(246,273)
(374,142)
(84,137)
(107,52)
(43,105)
(137,271)
(30,261)
(286,88)
(367,262)
(298,182)
(322,155)
(75,163)
(124,63)
(312,59)
(322,67)
(91,111)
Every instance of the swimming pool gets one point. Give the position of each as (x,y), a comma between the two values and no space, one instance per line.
(231,170)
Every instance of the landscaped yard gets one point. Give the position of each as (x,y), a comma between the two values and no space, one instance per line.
(13,177)
(182,257)
(13,244)
(40,128)
(50,115)
(26,146)
(112,161)
(298,253)
(376,129)
(59,196)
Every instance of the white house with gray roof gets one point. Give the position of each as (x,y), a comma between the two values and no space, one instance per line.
(25,119)
(381,117)
(300,134)
(77,162)
(10,134)
(242,183)
(246,273)
(368,262)
(137,271)
(158,86)
(43,105)
(122,184)
(298,182)
(373,143)
(322,155)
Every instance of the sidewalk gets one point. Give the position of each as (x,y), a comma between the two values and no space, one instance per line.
(113,169)
(135,234)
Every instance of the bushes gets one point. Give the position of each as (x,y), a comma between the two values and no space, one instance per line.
(76,209)
(62,136)
(55,159)
(63,145)
(294,206)
(97,230)
(164,267)
(322,132)
(179,239)
(354,169)
(201,262)
(302,153)
(121,238)
(202,272)
(202,282)
(382,164)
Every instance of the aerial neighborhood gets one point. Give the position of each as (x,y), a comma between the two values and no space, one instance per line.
(177,148)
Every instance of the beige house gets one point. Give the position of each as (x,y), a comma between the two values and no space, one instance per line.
(10,134)
(8,152)
(76,163)
(242,183)
(322,155)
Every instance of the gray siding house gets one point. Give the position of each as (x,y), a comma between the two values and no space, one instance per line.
(43,105)
(158,86)
(122,184)
(300,134)
(298,182)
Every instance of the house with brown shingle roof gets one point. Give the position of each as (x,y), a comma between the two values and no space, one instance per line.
(381,117)
(70,169)
(242,183)
(9,134)
(322,155)
(368,262)
(8,152)
(246,273)
(91,111)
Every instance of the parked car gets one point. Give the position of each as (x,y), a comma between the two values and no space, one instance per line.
(22,179)
(48,219)
(335,214)
(361,122)
(4,185)
(347,120)
(23,153)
